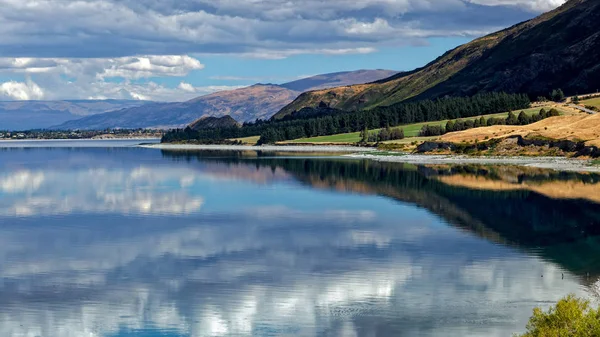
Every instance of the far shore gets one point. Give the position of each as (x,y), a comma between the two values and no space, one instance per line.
(555,163)
(75,139)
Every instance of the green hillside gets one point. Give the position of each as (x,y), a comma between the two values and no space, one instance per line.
(410,130)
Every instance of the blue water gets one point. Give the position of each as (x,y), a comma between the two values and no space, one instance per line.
(126,241)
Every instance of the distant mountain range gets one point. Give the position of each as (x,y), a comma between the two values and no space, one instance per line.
(245,104)
(24,115)
(558,49)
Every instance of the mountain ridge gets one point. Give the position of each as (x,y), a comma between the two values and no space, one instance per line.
(554,50)
(244,104)
(39,114)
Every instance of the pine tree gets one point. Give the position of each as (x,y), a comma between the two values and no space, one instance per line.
(364,135)
(512,119)
(524,118)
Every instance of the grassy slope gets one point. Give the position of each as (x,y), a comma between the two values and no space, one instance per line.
(582,127)
(593,102)
(410,130)
(553,50)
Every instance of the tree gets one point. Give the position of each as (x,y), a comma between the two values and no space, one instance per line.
(512,119)
(451,126)
(553,113)
(524,118)
(576,99)
(572,317)
(364,135)
(557,95)
(397,134)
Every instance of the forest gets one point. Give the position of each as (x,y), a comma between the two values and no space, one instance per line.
(305,124)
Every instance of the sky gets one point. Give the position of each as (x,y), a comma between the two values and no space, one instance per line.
(174,50)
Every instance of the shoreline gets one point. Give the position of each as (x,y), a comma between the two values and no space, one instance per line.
(267,148)
(553,163)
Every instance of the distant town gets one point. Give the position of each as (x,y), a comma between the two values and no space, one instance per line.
(81,134)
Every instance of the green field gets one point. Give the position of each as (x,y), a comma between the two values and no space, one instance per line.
(410,130)
(593,102)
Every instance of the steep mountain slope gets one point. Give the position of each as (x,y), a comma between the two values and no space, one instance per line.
(23,115)
(245,104)
(555,50)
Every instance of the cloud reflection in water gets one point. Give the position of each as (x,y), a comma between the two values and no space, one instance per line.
(136,248)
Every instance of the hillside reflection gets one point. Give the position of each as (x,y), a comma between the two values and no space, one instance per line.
(532,208)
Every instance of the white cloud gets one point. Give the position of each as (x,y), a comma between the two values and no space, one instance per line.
(282,54)
(68,78)
(122,67)
(149,66)
(378,26)
(186,87)
(533,5)
(110,28)
(74,49)
(21,90)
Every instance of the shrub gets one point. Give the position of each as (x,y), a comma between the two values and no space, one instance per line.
(571,317)
(397,134)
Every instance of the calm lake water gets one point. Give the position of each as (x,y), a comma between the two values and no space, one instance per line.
(124,241)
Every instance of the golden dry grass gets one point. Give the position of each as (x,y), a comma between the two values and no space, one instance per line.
(573,127)
(248,140)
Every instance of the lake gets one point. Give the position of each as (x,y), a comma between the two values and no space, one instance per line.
(115,240)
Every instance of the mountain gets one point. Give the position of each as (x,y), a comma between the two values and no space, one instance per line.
(338,79)
(558,49)
(214,122)
(24,115)
(245,104)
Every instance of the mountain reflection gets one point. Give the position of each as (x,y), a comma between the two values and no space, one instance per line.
(522,206)
(251,244)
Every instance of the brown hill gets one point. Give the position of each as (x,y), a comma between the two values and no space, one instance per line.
(555,50)
(574,127)
(214,122)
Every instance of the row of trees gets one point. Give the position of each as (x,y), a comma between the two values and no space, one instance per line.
(512,119)
(398,114)
(336,121)
(557,95)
